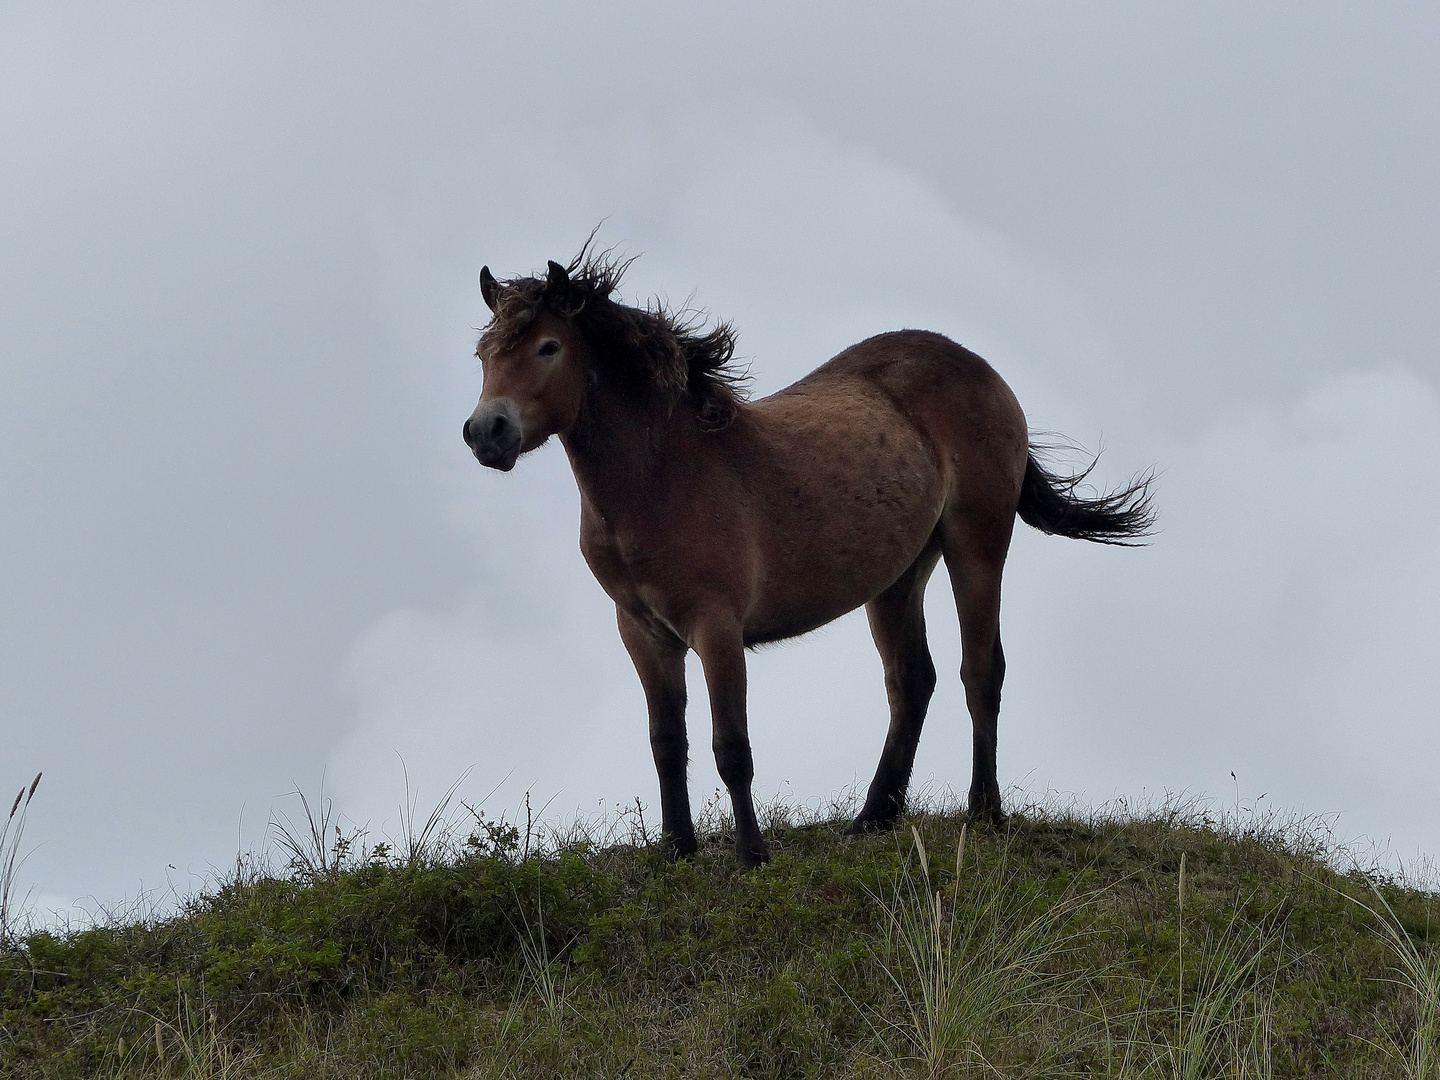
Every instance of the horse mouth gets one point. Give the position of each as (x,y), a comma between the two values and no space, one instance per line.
(498,458)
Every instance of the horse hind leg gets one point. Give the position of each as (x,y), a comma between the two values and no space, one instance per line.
(897,623)
(975,548)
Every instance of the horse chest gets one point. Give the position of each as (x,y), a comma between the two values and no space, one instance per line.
(620,559)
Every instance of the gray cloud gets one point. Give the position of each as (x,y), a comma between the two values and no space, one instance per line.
(241,543)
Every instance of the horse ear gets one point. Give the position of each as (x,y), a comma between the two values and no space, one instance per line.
(489,289)
(558,280)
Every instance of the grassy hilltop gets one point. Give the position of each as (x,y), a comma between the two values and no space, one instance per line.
(1054,946)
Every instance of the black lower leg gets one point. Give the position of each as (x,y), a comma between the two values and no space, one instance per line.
(671,758)
(885,801)
(983,698)
(909,685)
(737,771)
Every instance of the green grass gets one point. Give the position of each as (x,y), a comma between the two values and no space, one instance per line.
(977,965)
(1058,945)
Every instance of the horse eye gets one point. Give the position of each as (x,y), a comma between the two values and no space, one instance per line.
(550,348)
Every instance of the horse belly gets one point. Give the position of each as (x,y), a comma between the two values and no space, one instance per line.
(856,512)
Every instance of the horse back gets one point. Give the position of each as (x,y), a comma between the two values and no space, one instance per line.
(949,397)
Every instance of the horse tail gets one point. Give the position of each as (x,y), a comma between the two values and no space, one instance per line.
(1049,502)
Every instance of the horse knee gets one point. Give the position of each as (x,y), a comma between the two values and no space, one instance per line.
(734,763)
(671,751)
(912,683)
(982,684)
(922,681)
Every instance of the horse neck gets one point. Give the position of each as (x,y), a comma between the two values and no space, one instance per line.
(617,444)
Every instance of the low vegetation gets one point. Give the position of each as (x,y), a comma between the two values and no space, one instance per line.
(1171,944)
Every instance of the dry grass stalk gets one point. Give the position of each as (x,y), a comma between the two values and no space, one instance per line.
(11,861)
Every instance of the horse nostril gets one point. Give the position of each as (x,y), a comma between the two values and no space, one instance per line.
(497,426)
(465,433)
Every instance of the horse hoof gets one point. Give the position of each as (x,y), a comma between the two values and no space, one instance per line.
(676,849)
(863,825)
(751,859)
(987,815)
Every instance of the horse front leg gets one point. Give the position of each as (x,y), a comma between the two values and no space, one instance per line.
(722,653)
(660,663)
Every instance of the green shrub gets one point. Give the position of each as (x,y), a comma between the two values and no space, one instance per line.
(1057,947)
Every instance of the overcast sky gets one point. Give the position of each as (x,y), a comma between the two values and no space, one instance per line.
(242,545)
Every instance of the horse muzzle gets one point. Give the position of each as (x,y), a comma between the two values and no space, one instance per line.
(494,434)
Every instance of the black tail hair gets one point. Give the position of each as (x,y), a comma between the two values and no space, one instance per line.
(1049,502)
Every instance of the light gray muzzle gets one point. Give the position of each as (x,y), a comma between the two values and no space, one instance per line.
(493,432)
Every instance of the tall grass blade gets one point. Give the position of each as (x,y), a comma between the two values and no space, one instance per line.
(11,861)
(308,850)
(427,843)
(968,968)
(1223,1027)
(540,966)
(1419,973)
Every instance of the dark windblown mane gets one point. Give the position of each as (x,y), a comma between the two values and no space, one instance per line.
(643,350)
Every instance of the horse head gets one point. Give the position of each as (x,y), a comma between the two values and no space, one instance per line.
(534,362)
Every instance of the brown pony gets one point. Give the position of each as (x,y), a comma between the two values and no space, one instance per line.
(717,524)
